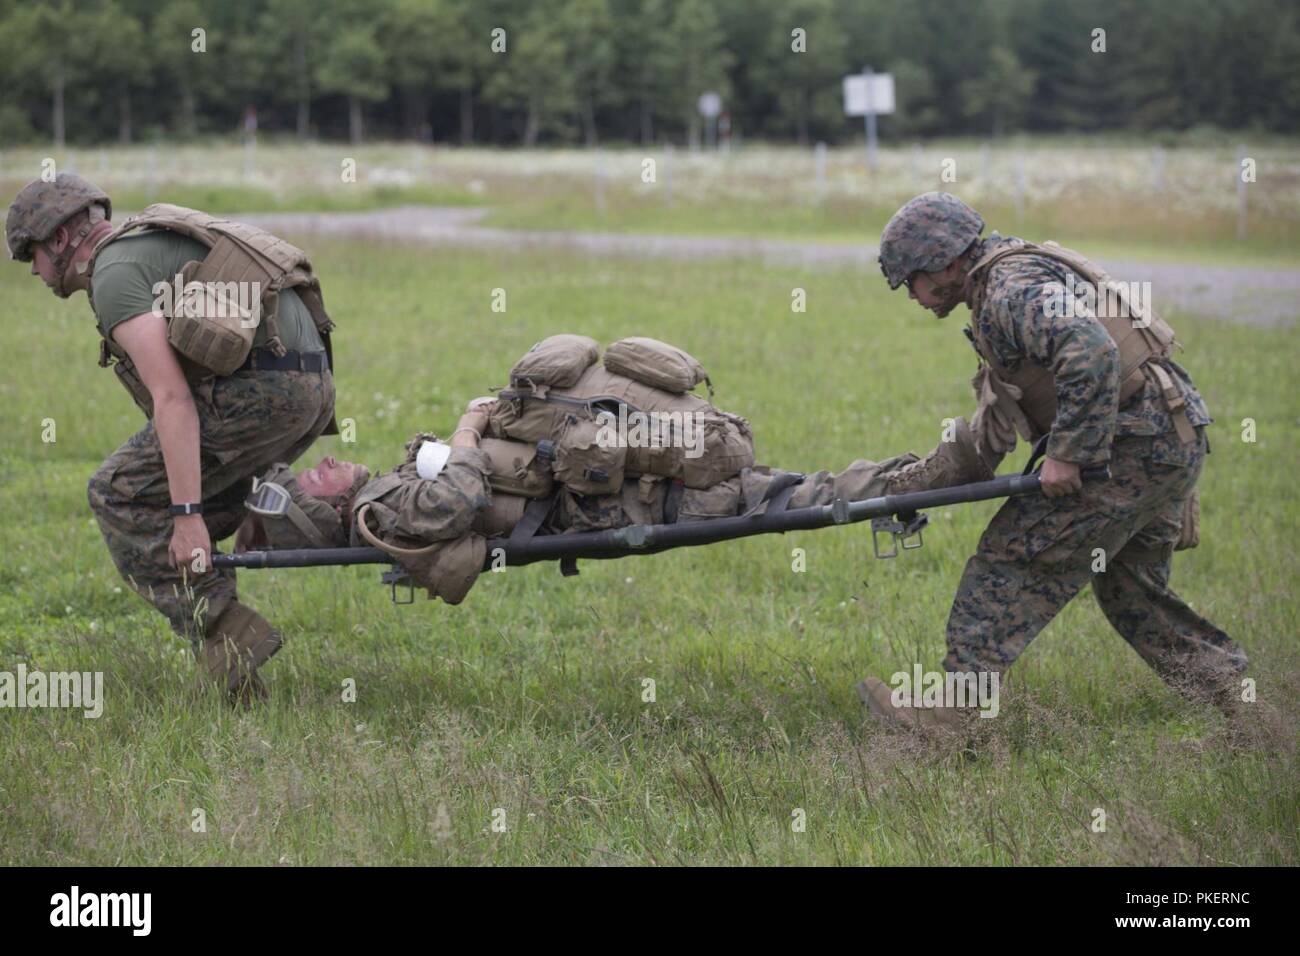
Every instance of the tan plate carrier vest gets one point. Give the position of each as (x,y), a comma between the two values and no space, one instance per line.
(1139,342)
(239,253)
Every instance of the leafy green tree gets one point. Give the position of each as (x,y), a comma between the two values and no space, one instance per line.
(413,33)
(464,38)
(353,63)
(916,110)
(532,75)
(1074,87)
(47,55)
(700,61)
(289,33)
(118,48)
(583,70)
(187,62)
(589,26)
(804,71)
(646,60)
(1001,94)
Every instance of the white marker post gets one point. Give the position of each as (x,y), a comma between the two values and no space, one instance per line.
(868,94)
(710,105)
(819,159)
(600,183)
(1241,194)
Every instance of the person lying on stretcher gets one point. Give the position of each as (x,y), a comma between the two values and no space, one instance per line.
(435,511)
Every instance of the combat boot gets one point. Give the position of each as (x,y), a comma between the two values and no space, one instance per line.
(878,697)
(956,462)
(237,643)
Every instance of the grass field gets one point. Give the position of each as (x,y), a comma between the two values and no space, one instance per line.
(1176,203)
(528,697)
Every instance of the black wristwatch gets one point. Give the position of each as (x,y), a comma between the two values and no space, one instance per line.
(193,508)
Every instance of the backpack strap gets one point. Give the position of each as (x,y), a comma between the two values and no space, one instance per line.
(535,515)
(1175,403)
(777,494)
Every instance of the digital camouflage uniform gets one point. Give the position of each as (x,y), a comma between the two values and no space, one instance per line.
(1038,552)
(247,422)
(410,511)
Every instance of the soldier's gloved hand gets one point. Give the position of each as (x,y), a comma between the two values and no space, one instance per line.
(1059,478)
(189,536)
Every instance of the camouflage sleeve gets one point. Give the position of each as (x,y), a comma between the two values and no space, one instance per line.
(1023,325)
(444,508)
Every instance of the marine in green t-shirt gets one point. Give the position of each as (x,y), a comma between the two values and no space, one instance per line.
(128,270)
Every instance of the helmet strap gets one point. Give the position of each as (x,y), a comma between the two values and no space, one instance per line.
(98,233)
(64,259)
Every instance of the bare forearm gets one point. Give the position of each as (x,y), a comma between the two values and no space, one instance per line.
(177,423)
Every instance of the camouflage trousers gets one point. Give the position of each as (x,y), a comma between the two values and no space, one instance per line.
(1039,552)
(247,422)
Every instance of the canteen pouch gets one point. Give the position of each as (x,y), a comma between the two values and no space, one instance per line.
(516,468)
(656,364)
(589,457)
(557,361)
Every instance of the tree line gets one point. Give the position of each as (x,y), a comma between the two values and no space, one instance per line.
(509,72)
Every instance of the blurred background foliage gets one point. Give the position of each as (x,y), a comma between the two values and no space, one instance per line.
(630,71)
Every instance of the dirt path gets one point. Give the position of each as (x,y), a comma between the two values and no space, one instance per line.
(1250,295)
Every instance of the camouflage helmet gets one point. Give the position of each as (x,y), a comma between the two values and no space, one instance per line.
(305,521)
(41,207)
(927,234)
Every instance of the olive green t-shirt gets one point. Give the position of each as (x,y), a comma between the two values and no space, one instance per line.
(127,270)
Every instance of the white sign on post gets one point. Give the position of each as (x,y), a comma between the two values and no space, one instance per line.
(709,105)
(868,93)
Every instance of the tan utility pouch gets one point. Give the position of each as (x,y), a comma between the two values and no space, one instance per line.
(1191,534)
(125,371)
(214,322)
(516,468)
(589,457)
(728,450)
(656,364)
(578,512)
(445,569)
(643,499)
(557,361)
(718,501)
(451,570)
(528,421)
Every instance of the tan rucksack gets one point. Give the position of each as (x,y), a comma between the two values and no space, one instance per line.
(652,378)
